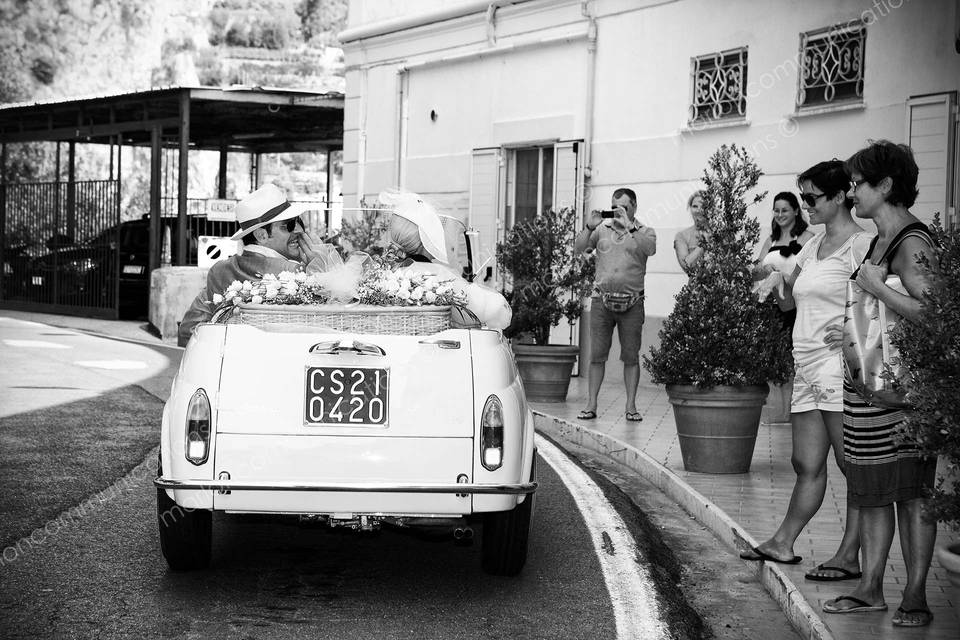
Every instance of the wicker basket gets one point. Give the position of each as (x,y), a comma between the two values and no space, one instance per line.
(356,318)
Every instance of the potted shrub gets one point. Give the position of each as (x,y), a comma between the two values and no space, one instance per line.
(719,347)
(544,280)
(930,351)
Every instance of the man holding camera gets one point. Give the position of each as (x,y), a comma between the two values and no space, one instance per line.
(622,246)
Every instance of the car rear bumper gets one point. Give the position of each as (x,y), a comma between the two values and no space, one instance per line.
(519,488)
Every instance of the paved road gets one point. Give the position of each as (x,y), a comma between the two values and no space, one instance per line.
(95,568)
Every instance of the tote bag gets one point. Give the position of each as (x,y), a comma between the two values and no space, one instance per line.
(867,351)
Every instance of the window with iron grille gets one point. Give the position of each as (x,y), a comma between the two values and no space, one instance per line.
(831,65)
(719,86)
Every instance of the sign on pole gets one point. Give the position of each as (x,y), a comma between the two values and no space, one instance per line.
(222,210)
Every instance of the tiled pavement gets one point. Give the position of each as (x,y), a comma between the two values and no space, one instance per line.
(757,501)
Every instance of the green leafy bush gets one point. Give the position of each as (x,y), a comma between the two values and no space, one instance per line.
(930,349)
(546,278)
(363,230)
(717,333)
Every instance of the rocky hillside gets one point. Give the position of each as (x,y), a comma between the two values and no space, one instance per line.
(56,49)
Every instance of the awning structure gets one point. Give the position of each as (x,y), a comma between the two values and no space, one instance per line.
(251,120)
(256,120)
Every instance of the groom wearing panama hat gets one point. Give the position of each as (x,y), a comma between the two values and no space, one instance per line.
(274,240)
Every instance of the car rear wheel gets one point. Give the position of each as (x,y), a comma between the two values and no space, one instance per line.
(186,535)
(505,536)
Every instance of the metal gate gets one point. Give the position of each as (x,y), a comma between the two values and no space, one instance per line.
(60,247)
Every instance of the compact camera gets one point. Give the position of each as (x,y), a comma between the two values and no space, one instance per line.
(608,213)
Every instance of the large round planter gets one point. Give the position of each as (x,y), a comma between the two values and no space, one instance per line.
(949,558)
(545,370)
(717,427)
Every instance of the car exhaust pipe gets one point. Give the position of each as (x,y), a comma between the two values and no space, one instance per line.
(463,533)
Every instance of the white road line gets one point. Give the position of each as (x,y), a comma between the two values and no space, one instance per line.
(36,344)
(635,606)
(112,364)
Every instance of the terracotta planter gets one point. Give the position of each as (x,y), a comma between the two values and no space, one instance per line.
(717,427)
(949,558)
(545,370)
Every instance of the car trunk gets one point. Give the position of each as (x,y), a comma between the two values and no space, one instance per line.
(312,384)
(405,415)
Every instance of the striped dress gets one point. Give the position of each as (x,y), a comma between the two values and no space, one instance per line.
(880,468)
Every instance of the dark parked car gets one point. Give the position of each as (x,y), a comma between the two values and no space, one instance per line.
(16,264)
(87,274)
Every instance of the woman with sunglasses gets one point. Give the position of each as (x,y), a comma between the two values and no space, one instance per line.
(882,468)
(817,285)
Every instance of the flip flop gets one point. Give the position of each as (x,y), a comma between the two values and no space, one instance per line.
(634,416)
(926,617)
(586,415)
(755,555)
(845,574)
(862,607)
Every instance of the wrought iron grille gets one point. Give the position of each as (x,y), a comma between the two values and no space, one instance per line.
(831,65)
(60,250)
(719,86)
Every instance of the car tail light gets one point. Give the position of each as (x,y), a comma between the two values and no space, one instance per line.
(491,434)
(198,428)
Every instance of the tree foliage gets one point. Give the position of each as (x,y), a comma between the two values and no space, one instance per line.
(546,278)
(930,350)
(717,334)
(363,231)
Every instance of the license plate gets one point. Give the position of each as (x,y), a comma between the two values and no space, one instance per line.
(133,268)
(346,396)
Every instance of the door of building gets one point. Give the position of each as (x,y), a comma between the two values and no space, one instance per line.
(932,134)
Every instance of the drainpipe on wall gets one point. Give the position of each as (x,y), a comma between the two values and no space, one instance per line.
(583,326)
(491,23)
(588,111)
(361,136)
(403,113)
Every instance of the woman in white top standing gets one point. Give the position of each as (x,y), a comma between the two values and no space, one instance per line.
(819,282)
(788,234)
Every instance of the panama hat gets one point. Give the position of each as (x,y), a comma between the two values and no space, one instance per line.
(412,207)
(265,205)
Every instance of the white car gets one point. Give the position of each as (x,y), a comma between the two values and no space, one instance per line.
(355,430)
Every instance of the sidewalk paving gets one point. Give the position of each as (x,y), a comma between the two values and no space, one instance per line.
(741,509)
(756,501)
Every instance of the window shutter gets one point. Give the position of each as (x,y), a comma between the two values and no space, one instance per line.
(485,208)
(930,131)
(568,176)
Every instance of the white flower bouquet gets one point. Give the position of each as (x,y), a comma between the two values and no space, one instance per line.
(378,285)
(383,286)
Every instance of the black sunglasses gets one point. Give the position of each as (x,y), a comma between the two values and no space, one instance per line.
(810,199)
(292,223)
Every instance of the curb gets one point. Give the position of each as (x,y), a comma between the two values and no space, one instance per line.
(799,612)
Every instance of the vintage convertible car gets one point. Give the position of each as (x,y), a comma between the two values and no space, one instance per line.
(357,430)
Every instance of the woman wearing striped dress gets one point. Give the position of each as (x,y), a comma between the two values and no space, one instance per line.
(882,470)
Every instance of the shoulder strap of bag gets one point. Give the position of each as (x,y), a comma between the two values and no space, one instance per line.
(915,229)
(854,264)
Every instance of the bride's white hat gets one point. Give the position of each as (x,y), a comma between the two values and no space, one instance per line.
(414,208)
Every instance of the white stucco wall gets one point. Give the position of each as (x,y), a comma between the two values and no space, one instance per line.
(642,77)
